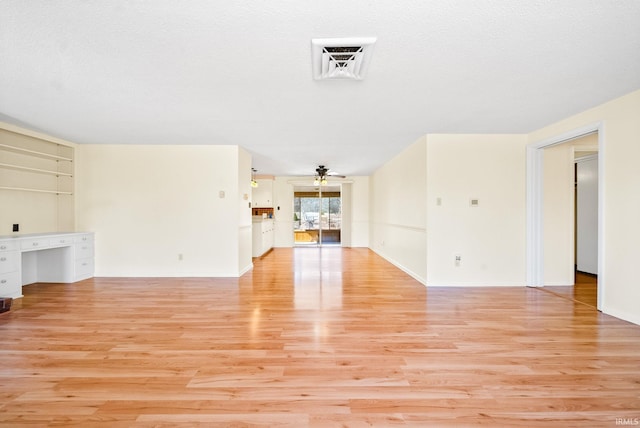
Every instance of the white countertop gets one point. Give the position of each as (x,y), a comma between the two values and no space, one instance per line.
(259,218)
(34,235)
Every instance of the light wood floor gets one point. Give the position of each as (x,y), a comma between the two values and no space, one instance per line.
(312,337)
(585,290)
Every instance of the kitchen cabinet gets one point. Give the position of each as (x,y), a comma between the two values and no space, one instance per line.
(262,196)
(263,233)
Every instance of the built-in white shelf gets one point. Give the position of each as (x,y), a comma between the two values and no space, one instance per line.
(26,189)
(36,173)
(39,170)
(34,153)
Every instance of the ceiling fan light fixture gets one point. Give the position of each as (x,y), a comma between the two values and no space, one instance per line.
(320,181)
(254,183)
(321,177)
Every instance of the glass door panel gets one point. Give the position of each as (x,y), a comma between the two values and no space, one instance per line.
(330,220)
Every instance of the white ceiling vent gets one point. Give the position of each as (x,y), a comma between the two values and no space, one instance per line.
(341,58)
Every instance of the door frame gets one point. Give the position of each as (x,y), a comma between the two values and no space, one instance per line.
(320,197)
(534,205)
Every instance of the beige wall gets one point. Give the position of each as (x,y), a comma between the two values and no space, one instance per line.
(490,237)
(359,211)
(620,176)
(283,218)
(398,210)
(243,198)
(558,215)
(422,218)
(148,204)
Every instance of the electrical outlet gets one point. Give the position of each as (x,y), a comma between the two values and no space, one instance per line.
(16,227)
(457,259)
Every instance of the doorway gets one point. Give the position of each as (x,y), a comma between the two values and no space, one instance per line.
(571,219)
(585,287)
(317,215)
(536,201)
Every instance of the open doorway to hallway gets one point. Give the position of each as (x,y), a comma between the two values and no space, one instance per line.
(570,213)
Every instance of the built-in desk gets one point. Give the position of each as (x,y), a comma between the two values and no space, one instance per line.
(44,257)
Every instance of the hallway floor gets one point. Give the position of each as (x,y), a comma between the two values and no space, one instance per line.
(585,289)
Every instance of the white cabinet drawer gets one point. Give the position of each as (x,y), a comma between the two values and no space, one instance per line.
(9,261)
(84,269)
(8,245)
(84,250)
(10,285)
(34,244)
(84,238)
(60,241)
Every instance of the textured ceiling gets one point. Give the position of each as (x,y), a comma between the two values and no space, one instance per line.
(239,72)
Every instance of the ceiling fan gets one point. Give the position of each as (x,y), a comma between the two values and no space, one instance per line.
(322,173)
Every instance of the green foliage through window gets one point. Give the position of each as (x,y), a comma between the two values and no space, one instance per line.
(311,212)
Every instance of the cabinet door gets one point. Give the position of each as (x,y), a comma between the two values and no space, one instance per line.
(262,196)
(256,250)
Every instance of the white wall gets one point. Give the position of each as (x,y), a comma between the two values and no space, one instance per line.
(283,217)
(148,204)
(558,215)
(620,177)
(490,237)
(346,221)
(587,215)
(398,192)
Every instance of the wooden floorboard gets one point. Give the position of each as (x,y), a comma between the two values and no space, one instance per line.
(584,289)
(312,337)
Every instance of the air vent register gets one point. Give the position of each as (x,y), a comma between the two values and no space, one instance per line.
(341,58)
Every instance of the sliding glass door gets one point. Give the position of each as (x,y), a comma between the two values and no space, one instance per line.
(317,216)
